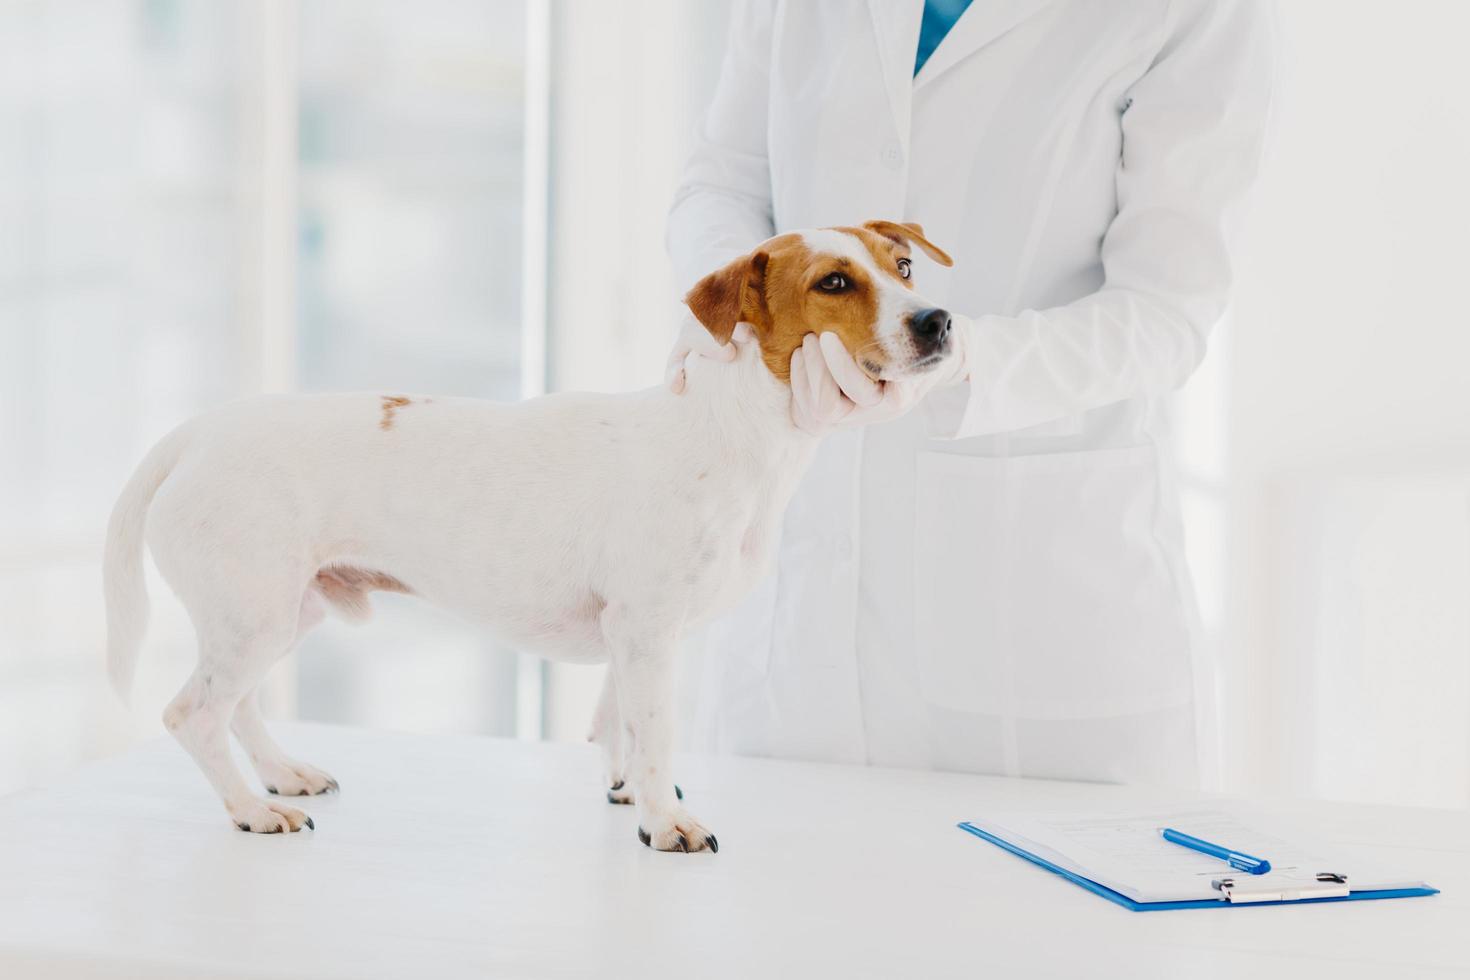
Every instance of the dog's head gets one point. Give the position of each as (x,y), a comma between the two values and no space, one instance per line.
(854,282)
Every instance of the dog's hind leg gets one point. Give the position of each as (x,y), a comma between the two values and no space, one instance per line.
(279,772)
(234,655)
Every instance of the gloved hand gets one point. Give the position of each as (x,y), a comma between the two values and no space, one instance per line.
(694,339)
(829,390)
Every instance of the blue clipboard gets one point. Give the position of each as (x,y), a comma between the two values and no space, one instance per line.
(1221,903)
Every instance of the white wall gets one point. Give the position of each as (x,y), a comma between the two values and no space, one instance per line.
(1346,651)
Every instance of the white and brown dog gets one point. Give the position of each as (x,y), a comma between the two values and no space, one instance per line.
(584,527)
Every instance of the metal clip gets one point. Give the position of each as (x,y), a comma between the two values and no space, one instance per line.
(1239,891)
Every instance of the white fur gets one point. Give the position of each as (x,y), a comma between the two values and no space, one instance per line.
(582,527)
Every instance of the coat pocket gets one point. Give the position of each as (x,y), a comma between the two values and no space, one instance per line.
(1042,589)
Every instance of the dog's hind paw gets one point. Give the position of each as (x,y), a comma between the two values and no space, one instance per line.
(620,792)
(678,832)
(269,817)
(295,779)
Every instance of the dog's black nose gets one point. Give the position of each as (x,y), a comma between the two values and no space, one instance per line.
(930,326)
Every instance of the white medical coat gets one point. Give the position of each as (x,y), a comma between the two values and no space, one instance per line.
(995,582)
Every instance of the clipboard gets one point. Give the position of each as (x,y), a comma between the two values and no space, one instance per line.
(1235,890)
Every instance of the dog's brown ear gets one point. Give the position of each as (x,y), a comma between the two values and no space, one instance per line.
(721,299)
(910,232)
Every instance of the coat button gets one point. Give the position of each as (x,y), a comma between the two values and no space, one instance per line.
(893,154)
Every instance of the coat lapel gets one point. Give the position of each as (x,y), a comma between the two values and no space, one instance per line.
(896,34)
(982,22)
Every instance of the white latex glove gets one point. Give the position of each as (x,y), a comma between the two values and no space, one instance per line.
(829,390)
(694,339)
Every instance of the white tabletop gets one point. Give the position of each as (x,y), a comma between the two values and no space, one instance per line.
(449,857)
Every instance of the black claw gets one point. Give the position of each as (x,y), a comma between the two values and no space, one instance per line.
(274,830)
(332,784)
(643,836)
(683,844)
(244,826)
(611,798)
(617,786)
(309,824)
(678,792)
(714,845)
(271,789)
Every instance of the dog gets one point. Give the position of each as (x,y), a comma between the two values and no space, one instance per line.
(584,527)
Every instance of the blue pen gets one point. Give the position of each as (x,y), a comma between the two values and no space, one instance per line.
(1237,860)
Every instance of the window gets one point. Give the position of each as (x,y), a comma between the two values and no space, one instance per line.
(201,200)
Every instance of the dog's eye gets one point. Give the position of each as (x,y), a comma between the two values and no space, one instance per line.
(835,283)
(905,268)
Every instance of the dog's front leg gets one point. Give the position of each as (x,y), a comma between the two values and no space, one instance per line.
(609,735)
(642,649)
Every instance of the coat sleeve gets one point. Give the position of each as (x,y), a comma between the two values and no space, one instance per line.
(722,208)
(1193,132)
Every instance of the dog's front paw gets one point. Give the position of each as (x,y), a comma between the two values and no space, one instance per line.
(621,792)
(676,831)
(295,779)
(269,817)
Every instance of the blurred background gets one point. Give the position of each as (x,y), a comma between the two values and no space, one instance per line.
(205,199)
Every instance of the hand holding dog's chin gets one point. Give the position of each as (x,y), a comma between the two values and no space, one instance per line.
(830,390)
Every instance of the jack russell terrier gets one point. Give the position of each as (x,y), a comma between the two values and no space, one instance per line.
(589,528)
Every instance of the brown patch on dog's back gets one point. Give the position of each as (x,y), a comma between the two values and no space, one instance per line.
(391,405)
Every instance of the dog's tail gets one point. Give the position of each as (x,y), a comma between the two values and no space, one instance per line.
(123,586)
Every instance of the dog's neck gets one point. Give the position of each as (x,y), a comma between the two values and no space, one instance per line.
(748,406)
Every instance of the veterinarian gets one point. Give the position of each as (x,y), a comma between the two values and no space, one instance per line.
(994,581)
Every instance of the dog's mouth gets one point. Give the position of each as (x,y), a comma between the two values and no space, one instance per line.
(927,363)
(917,363)
(921,364)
